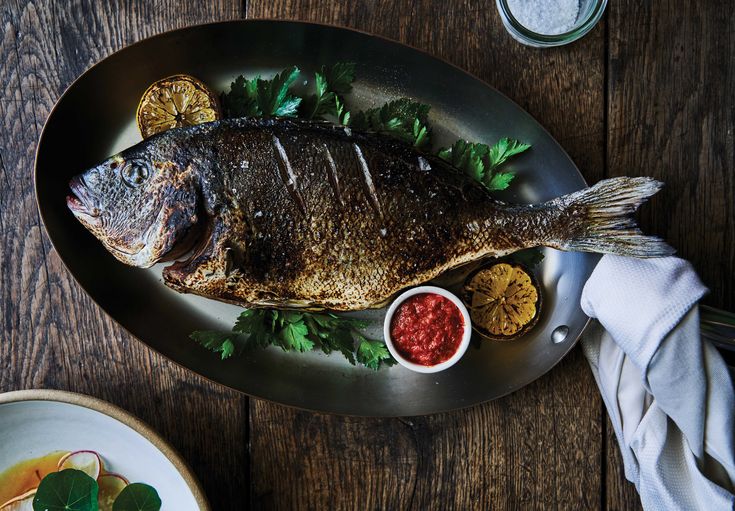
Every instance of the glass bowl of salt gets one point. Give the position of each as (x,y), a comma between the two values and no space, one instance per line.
(546,23)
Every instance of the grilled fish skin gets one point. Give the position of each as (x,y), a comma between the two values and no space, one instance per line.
(294,213)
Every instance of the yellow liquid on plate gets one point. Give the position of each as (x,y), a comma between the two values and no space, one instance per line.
(27,475)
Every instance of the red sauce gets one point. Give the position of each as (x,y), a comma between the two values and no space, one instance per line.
(427,329)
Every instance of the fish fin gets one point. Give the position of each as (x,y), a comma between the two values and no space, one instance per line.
(603,214)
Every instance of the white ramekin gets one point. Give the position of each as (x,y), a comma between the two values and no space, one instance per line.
(463,345)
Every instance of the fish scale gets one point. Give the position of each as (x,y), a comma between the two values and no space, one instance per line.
(290,213)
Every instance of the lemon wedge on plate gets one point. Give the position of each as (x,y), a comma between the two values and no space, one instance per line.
(503,299)
(176,101)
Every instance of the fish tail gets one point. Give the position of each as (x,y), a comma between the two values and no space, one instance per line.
(602,219)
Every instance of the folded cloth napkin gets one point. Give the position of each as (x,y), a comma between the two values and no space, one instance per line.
(667,391)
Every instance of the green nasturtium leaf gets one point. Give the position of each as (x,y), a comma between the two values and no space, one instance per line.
(68,490)
(137,497)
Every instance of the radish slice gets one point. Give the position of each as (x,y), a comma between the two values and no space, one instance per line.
(88,462)
(21,502)
(110,487)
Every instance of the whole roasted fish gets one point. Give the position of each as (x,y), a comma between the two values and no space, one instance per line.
(277,212)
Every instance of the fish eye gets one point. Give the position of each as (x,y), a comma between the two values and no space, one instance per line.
(135,173)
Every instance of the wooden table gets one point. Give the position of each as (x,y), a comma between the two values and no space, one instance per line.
(648,92)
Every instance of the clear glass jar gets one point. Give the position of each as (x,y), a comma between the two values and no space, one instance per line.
(590,12)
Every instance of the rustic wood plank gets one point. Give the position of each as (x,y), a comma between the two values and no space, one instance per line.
(53,335)
(670,115)
(670,95)
(489,446)
(525,451)
(536,449)
(670,106)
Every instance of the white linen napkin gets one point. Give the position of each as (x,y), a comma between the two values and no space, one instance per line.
(668,392)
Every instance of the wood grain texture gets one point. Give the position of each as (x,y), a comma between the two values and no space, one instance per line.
(671,79)
(531,450)
(671,82)
(648,92)
(52,334)
(539,448)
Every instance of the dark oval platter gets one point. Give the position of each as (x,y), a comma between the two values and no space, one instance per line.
(86,126)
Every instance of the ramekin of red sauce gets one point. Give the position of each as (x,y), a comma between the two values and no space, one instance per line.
(427,329)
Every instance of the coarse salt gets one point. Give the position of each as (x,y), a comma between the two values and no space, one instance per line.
(548,17)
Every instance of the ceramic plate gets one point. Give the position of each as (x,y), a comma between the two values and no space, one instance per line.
(34,423)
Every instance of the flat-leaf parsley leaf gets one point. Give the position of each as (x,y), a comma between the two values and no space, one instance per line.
(372,353)
(262,98)
(274,97)
(296,331)
(504,149)
(481,161)
(402,118)
(330,83)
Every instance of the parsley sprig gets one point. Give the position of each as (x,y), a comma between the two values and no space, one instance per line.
(330,83)
(297,331)
(262,98)
(481,161)
(403,119)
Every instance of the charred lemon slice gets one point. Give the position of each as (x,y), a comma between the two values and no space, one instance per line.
(173,102)
(503,300)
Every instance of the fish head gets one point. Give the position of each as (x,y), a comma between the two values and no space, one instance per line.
(141,204)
